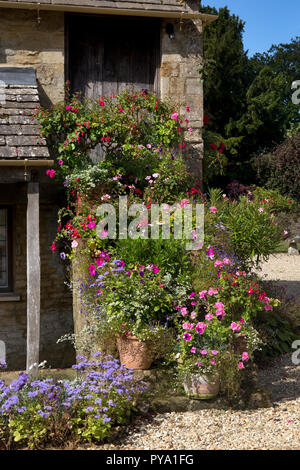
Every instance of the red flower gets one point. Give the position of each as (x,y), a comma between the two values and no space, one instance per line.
(213,146)
(206,119)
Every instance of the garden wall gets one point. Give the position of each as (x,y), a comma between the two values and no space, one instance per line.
(26,42)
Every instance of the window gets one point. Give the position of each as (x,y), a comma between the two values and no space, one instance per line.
(5,250)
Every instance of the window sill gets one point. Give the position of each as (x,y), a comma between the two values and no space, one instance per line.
(9,297)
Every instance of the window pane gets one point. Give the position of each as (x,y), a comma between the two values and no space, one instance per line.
(3,249)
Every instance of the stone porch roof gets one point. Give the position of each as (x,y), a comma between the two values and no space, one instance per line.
(19,131)
(159,8)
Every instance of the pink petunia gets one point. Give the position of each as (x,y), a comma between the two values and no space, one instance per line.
(187,337)
(193,350)
(92,270)
(201,327)
(214,352)
(209,317)
(91,225)
(202,294)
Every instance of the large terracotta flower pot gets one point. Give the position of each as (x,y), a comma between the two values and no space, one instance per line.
(200,386)
(134,354)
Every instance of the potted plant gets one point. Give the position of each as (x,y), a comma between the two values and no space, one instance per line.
(136,305)
(207,338)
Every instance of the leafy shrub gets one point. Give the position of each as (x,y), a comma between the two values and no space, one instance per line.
(279,169)
(248,225)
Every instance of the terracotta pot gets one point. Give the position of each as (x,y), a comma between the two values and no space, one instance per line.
(134,354)
(201,387)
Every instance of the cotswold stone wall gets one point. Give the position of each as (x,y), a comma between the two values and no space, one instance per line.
(26,42)
(56,298)
(180,80)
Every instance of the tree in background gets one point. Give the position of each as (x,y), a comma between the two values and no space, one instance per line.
(247,100)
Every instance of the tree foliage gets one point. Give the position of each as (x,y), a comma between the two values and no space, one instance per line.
(248,100)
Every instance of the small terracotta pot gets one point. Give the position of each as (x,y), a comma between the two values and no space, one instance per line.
(134,354)
(201,387)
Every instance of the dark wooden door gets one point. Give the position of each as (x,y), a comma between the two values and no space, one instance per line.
(106,55)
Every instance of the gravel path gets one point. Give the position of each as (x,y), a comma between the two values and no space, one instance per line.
(286,270)
(275,428)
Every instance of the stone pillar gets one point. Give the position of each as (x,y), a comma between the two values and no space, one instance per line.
(180,80)
(33,276)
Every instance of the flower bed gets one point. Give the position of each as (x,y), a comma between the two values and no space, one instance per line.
(36,412)
(201,310)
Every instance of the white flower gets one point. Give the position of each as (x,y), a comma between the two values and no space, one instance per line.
(155,175)
(74,244)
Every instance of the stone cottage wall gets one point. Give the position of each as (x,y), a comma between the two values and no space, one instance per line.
(180,80)
(26,42)
(56,300)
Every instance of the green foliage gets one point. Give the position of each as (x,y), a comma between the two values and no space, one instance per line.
(130,128)
(171,182)
(279,168)
(248,100)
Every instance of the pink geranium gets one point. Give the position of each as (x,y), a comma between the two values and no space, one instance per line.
(245,356)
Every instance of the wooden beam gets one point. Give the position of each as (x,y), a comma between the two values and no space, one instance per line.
(33,278)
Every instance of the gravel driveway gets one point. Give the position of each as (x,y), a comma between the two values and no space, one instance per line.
(274,428)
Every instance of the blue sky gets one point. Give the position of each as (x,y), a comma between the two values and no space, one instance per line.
(267,21)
